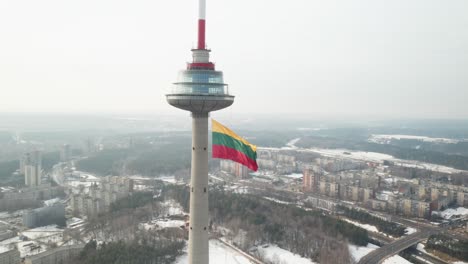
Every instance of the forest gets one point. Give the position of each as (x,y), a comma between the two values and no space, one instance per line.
(158,158)
(137,199)
(126,241)
(263,222)
(144,250)
(453,247)
(7,168)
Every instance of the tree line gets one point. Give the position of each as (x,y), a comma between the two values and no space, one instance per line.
(146,250)
(386,227)
(453,247)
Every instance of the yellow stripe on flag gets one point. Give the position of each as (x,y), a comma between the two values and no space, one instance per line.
(217,127)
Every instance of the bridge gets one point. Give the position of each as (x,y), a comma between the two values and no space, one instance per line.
(379,255)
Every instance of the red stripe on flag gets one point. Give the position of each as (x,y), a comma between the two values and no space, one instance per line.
(223,152)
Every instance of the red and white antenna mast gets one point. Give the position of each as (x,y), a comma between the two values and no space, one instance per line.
(201,55)
(201,25)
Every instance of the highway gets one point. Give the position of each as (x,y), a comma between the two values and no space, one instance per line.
(379,255)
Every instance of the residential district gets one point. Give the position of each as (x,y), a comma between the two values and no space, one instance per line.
(66,199)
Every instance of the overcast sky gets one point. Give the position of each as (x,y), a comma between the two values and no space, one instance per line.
(392,58)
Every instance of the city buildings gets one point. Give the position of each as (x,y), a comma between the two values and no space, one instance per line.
(9,255)
(100,196)
(5,232)
(60,255)
(238,170)
(29,196)
(310,179)
(65,152)
(31,166)
(375,188)
(54,214)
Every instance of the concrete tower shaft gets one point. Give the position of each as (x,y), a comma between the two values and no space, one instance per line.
(200,89)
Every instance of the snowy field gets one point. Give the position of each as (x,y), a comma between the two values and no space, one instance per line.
(359,252)
(275,253)
(379,157)
(220,254)
(368,156)
(385,139)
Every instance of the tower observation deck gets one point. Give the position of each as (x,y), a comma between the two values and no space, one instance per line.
(199,89)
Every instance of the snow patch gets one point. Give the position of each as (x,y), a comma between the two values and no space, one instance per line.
(220,253)
(294,176)
(292,143)
(364,226)
(275,253)
(410,230)
(385,139)
(163,223)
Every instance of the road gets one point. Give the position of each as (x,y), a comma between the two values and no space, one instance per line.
(418,254)
(379,255)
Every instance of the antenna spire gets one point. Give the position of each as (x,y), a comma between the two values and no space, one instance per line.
(201,24)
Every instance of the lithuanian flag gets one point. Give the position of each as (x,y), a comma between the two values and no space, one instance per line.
(228,145)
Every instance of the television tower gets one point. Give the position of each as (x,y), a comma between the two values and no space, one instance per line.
(199,89)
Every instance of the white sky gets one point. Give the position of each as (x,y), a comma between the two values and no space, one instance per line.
(389,58)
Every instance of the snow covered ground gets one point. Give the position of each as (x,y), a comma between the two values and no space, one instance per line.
(379,157)
(51,201)
(396,260)
(275,253)
(29,248)
(171,207)
(359,252)
(370,156)
(410,230)
(294,175)
(168,179)
(385,139)
(220,254)
(364,226)
(421,247)
(449,213)
(276,200)
(75,222)
(163,223)
(292,143)
(44,231)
